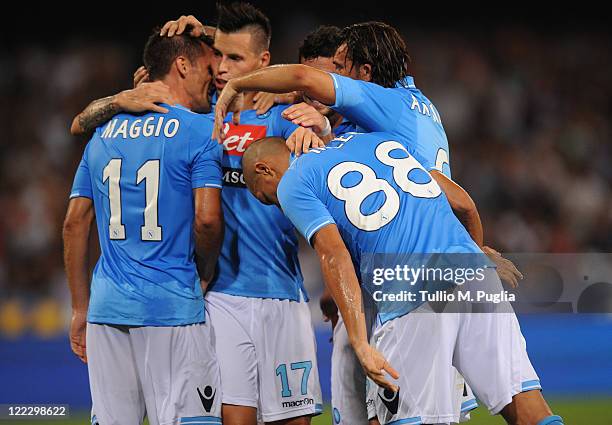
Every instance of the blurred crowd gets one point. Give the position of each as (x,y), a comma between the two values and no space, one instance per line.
(527,117)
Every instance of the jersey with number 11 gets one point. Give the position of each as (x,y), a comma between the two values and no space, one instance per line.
(140,172)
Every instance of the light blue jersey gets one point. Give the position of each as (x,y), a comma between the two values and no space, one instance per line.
(402,111)
(381,198)
(259,255)
(140,172)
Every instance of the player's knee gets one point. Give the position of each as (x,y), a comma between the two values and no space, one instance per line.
(551,420)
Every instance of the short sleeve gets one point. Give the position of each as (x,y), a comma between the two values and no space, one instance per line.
(301,205)
(368,105)
(81,186)
(206,156)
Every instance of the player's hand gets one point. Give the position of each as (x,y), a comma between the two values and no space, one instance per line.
(321,108)
(329,309)
(506,269)
(78,329)
(145,98)
(375,366)
(302,139)
(141,76)
(288,98)
(229,101)
(305,115)
(172,28)
(263,102)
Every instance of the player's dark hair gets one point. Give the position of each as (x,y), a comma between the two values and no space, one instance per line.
(161,51)
(238,16)
(321,42)
(381,46)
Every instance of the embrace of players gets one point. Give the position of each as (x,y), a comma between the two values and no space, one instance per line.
(196,312)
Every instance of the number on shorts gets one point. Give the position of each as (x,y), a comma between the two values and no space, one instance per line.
(281,371)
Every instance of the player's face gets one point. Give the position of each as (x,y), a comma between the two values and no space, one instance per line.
(198,81)
(263,187)
(237,54)
(324,64)
(320,62)
(343,65)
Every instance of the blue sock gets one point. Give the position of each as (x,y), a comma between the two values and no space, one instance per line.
(551,420)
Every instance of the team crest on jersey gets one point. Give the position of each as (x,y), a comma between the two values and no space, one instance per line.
(239,137)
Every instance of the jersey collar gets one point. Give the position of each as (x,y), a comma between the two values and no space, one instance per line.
(407,81)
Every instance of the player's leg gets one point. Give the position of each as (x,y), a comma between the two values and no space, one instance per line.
(465,398)
(348,381)
(420,346)
(290,392)
(179,373)
(113,379)
(496,364)
(236,356)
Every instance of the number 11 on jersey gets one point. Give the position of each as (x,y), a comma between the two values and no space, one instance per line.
(149,172)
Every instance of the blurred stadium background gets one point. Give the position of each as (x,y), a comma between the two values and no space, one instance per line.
(525,100)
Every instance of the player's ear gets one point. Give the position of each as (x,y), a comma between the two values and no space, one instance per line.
(265,58)
(182,65)
(262,168)
(365,72)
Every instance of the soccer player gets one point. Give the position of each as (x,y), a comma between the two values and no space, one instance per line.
(153,183)
(348,380)
(375,93)
(257,302)
(366,195)
(258,278)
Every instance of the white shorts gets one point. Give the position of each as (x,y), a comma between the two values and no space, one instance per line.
(348,382)
(170,374)
(488,349)
(267,355)
(350,402)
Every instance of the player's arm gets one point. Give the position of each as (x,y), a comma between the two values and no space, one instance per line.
(208,231)
(315,83)
(77,226)
(462,204)
(311,217)
(465,209)
(341,281)
(142,98)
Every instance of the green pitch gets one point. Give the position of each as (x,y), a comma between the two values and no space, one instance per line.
(574,412)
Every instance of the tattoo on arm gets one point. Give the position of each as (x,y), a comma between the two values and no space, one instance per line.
(97,113)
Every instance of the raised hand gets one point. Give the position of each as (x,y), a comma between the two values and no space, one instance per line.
(264,101)
(305,115)
(145,97)
(302,139)
(506,269)
(229,101)
(141,75)
(172,28)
